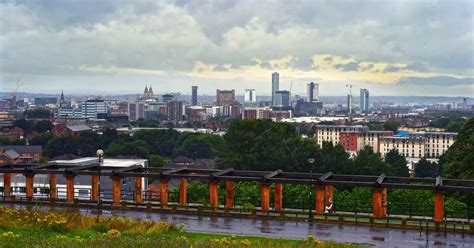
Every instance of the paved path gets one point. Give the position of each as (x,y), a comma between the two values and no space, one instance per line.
(297,230)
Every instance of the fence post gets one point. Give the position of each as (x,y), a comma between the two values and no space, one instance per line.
(379,197)
(95,188)
(229,196)
(213,200)
(279,196)
(164,192)
(115,190)
(320,189)
(7,181)
(438,207)
(70,188)
(329,198)
(138,190)
(183,192)
(52,187)
(29,186)
(265,193)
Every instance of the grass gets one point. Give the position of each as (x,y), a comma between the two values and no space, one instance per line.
(34,228)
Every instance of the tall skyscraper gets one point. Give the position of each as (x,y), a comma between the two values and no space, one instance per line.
(175,110)
(312,92)
(250,95)
(275,85)
(364,100)
(136,110)
(349,103)
(225,97)
(282,98)
(194,97)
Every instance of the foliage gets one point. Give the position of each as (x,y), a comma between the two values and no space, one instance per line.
(425,168)
(157,161)
(460,155)
(391,125)
(367,162)
(141,122)
(40,126)
(451,123)
(398,164)
(37,113)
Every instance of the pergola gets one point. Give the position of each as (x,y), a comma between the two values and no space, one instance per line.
(323,183)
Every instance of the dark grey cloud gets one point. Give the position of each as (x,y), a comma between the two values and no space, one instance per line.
(394,68)
(351,66)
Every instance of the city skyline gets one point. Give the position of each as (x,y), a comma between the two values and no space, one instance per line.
(237,45)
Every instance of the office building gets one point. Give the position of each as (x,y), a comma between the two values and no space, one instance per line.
(312,92)
(364,100)
(303,108)
(275,85)
(136,110)
(175,110)
(46,100)
(167,97)
(354,141)
(349,104)
(225,97)
(282,98)
(256,113)
(94,108)
(194,95)
(250,96)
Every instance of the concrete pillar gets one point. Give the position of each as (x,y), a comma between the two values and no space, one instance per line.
(52,187)
(319,192)
(278,196)
(265,187)
(329,198)
(438,206)
(164,192)
(138,189)
(95,188)
(116,191)
(213,198)
(183,192)
(229,196)
(29,186)
(379,208)
(70,189)
(7,184)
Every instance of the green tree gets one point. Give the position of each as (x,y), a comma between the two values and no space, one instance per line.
(37,113)
(196,148)
(391,125)
(42,126)
(398,164)
(425,168)
(367,162)
(157,161)
(460,155)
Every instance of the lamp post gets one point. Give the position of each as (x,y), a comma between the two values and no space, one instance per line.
(100,155)
(311,162)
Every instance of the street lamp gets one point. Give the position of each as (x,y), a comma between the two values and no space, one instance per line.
(100,155)
(311,162)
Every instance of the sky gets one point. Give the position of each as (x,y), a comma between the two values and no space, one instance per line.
(423,48)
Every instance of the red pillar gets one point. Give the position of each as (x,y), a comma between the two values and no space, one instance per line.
(29,186)
(164,192)
(265,197)
(70,189)
(138,189)
(7,184)
(278,196)
(116,191)
(438,206)
(183,192)
(213,200)
(320,199)
(379,196)
(229,196)
(95,188)
(329,198)
(52,187)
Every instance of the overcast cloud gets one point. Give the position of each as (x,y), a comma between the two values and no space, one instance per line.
(118,46)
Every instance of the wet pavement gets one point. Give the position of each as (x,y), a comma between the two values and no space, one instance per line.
(379,237)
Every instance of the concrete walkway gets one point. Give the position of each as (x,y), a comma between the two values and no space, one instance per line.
(379,237)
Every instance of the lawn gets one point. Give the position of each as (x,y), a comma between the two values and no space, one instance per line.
(34,228)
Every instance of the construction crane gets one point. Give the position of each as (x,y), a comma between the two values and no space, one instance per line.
(13,99)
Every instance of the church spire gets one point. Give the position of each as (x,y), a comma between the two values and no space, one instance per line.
(62,101)
(146,89)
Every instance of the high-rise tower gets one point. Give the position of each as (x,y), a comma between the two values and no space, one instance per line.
(275,85)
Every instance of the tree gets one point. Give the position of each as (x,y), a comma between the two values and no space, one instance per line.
(398,164)
(367,162)
(195,148)
(157,161)
(42,126)
(41,140)
(425,168)
(37,113)
(391,125)
(460,155)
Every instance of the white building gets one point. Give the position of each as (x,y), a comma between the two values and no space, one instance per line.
(250,96)
(94,107)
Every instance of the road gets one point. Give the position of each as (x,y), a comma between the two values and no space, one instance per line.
(378,237)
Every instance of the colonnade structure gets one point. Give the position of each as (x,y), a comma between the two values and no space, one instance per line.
(321,183)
